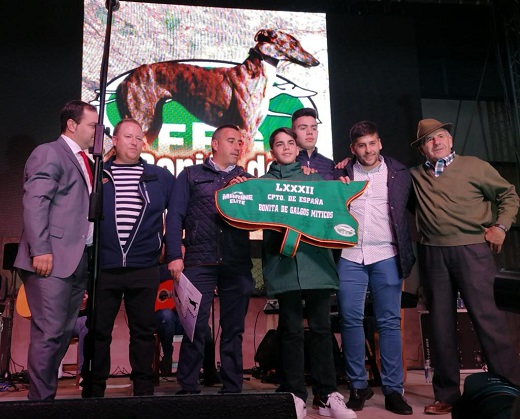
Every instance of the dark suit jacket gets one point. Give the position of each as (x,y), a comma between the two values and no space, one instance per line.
(55,209)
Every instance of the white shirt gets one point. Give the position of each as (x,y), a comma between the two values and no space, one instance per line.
(372,211)
(76,149)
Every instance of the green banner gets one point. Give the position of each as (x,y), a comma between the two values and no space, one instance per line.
(315,212)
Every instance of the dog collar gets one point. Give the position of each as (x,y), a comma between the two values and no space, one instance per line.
(269,60)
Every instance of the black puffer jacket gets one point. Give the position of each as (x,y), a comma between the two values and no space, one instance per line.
(209,240)
(317,161)
(399,189)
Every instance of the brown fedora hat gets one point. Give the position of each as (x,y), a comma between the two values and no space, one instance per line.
(426,127)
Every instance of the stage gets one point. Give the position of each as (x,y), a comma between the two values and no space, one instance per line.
(417,392)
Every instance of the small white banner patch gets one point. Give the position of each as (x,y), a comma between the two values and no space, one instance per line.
(344,230)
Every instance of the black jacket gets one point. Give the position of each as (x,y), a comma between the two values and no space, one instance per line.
(317,161)
(143,247)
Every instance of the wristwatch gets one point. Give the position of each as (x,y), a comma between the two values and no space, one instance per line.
(501,227)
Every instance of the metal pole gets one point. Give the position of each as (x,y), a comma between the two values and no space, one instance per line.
(95,208)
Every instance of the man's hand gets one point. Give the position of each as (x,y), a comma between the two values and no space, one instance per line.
(42,264)
(495,237)
(238,179)
(308,170)
(344,179)
(176,267)
(342,164)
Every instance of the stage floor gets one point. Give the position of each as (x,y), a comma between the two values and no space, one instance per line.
(417,392)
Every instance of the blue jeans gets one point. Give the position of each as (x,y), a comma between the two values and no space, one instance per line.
(168,325)
(382,278)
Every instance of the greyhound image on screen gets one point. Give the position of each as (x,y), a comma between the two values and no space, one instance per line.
(237,95)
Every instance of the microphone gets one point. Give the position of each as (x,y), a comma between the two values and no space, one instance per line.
(115,5)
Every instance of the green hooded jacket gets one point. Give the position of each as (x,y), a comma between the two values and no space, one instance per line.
(312,268)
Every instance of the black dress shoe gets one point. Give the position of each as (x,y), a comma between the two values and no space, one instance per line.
(210,378)
(224,391)
(165,366)
(183,392)
(358,397)
(396,403)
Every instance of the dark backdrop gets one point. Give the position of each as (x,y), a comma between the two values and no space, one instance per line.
(374,76)
(380,67)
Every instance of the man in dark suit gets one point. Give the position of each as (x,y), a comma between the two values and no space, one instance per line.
(52,256)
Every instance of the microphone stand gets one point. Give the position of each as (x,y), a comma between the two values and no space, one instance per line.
(95,213)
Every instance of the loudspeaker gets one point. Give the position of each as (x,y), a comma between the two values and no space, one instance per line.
(225,406)
(10,251)
(6,325)
(507,290)
(471,357)
(268,355)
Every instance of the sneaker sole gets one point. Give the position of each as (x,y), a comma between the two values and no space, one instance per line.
(325,411)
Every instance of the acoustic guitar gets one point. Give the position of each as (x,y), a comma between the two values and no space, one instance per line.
(165,296)
(22,307)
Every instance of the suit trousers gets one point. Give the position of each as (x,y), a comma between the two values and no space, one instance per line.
(54,304)
(471,270)
(235,286)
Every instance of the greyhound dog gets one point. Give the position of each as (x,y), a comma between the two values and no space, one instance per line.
(235,95)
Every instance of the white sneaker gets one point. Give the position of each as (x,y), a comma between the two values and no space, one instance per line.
(335,408)
(300,406)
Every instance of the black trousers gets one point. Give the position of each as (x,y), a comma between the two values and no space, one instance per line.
(290,327)
(471,270)
(138,287)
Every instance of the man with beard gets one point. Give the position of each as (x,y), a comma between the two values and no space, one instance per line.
(379,262)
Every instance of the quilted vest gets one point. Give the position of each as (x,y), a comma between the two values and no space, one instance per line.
(209,239)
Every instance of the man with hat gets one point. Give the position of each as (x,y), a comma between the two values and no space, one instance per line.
(458,235)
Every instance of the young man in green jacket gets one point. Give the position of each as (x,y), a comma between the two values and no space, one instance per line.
(311,276)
